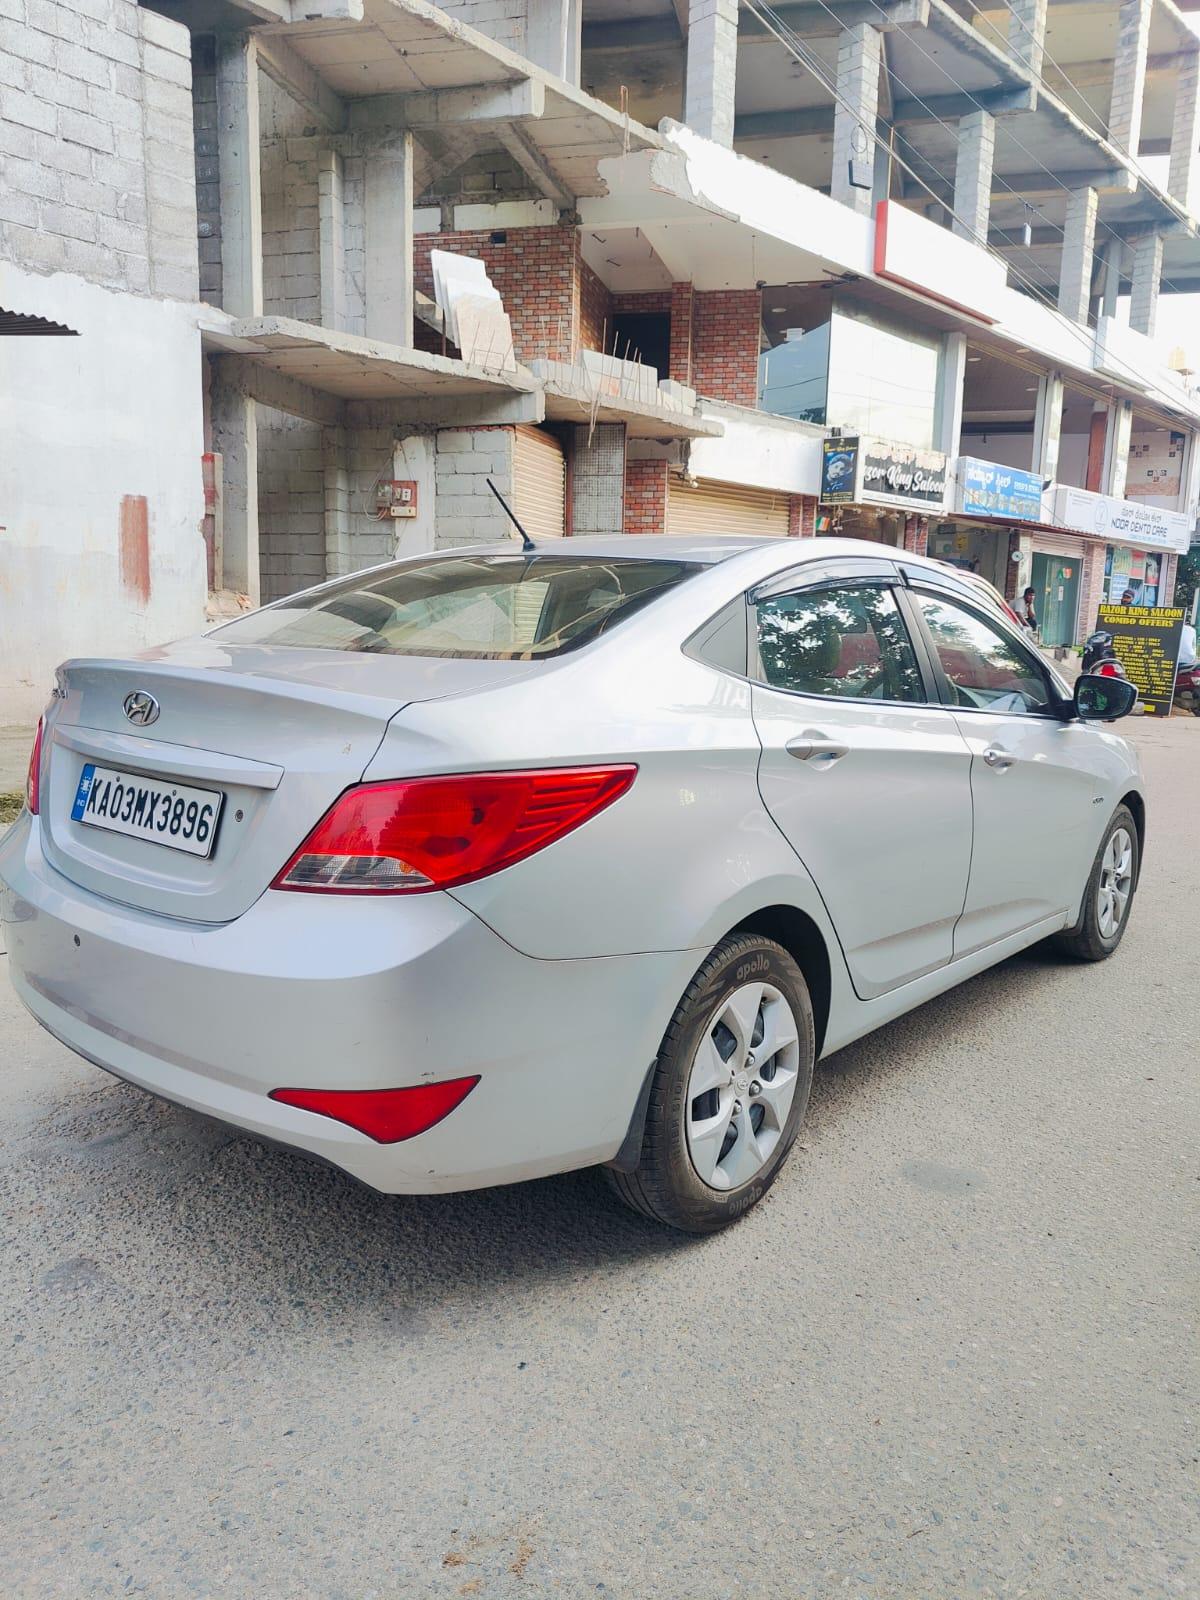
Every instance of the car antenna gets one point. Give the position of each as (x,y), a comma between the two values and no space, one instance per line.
(526,542)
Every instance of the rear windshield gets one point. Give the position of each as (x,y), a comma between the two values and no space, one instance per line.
(518,607)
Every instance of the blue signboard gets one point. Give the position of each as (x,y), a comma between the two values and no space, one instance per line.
(986,489)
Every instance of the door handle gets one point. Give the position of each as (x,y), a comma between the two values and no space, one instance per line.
(999,760)
(814,746)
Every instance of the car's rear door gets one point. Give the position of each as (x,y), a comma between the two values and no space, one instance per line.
(1037,781)
(868,780)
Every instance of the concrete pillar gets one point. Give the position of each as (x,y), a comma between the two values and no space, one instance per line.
(1147,279)
(1027,33)
(1129,74)
(711,68)
(553,37)
(854,118)
(1116,454)
(597,478)
(1112,278)
(1047,426)
(239,172)
(235,439)
(950,398)
(973,176)
(332,238)
(1078,252)
(389,240)
(1185,129)
(335,470)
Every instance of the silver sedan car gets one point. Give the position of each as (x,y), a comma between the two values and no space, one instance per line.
(491,864)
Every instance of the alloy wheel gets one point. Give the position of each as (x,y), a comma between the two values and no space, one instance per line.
(741,1086)
(1116,882)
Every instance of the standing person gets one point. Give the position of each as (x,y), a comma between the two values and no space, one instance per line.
(1026,612)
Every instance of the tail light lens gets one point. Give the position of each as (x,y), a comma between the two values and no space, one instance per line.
(33,781)
(1109,669)
(385,1115)
(418,834)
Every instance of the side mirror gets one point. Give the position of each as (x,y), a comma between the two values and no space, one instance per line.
(1101,699)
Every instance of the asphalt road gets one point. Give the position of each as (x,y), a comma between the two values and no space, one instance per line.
(953,1354)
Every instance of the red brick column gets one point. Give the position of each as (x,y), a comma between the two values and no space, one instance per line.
(682,302)
(916,535)
(1166,585)
(1091,586)
(645,496)
(802,516)
(725,338)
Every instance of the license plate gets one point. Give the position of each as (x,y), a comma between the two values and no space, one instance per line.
(170,814)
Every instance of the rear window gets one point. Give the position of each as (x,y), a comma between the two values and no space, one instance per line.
(519,607)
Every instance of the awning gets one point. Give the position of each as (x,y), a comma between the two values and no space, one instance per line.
(24,323)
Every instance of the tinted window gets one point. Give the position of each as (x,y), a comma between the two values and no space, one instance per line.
(501,607)
(986,670)
(845,642)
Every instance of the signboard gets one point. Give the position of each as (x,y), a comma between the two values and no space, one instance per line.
(896,474)
(1121,521)
(987,489)
(877,472)
(1146,641)
(839,471)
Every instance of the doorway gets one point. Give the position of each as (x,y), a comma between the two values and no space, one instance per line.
(1056,585)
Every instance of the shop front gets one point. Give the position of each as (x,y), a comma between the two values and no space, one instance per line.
(991,503)
(879,490)
(1137,547)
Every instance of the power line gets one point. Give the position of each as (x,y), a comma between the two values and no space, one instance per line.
(792,42)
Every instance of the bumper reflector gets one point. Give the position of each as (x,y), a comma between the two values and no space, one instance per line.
(385,1115)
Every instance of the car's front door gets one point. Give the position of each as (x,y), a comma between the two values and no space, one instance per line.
(1036,780)
(869,783)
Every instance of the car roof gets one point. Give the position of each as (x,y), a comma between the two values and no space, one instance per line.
(705,550)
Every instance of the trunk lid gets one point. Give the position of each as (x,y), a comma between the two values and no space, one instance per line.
(278,732)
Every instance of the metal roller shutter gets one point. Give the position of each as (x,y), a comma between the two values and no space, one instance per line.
(709,508)
(539,483)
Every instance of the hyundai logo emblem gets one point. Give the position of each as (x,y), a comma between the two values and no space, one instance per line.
(141,708)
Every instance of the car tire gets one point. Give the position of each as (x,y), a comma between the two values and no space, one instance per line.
(1112,884)
(692,1174)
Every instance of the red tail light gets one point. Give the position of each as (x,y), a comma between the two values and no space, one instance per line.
(33,781)
(433,833)
(385,1115)
(1109,669)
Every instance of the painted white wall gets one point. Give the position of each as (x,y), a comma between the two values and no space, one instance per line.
(758,449)
(83,423)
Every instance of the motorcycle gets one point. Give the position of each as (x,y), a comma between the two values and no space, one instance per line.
(1187,689)
(1100,658)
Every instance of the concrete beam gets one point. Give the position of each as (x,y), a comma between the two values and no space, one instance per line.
(448,410)
(635,33)
(950,107)
(388,204)
(533,164)
(1104,179)
(245,376)
(522,101)
(240,174)
(814,20)
(295,77)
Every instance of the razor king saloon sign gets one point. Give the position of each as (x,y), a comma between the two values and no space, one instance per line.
(865,471)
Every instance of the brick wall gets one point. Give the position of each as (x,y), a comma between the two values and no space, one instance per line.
(467,511)
(291,249)
(596,308)
(683,298)
(538,274)
(725,339)
(645,496)
(916,535)
(291,504)
(96,134)
(802,516)
(1091,589)
(502,20)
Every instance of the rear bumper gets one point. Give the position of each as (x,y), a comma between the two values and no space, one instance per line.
(308,992)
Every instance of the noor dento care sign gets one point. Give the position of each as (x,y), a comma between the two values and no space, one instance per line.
(861,470)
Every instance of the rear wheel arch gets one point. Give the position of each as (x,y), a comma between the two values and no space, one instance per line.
(803,940)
